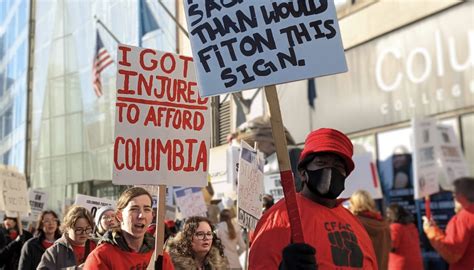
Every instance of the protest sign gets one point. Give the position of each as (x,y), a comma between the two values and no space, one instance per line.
(38,200)
(453,162)
(154,190)
(13,191)
(272,184)
(250,186)
(364,177)
(93,203)
(162,127)
(190,201)
(248,44)
(425,166)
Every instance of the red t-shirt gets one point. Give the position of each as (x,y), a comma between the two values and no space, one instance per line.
(79,252)
(406,247)
(110,257)
(340,240)
(46,244)
(13,234)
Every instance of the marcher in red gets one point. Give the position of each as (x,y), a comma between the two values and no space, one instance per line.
(334,238)
(456,244)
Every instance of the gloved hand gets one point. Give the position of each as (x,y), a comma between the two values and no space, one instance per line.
(298,256)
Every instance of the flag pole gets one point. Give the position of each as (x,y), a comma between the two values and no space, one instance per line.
(107,29)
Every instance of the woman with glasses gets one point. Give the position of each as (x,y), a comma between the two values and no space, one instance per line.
(47,231)
(104,220)
(197,247)
(74,246)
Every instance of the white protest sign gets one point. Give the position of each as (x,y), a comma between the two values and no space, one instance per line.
(272,184)
(242,45)
(13,191)
(452,160)
(364,177)
(425,166)
(250,186)
(190,201)
(92,203)
(162,126)
(153,190)
(38,200)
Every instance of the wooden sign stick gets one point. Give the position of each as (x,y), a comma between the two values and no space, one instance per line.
(287,180)
(428,207)
(160,227)
(18,222)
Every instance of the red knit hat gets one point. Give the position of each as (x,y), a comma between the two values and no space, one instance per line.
(329,140)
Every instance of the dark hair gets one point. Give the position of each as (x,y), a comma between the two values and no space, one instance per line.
(129,194)
(398,214)
(226,216)
(5,217)
(268,201)
(465,187)
(39,225)
(185,237)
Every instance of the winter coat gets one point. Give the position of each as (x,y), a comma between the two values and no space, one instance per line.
(213,261)
(60,255)
(379,232)
(113,253)
(31,253)
(406,252)
(10,250)
(339,238)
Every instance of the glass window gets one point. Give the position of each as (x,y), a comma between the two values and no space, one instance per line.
(56,58)
(56,94)
(8,122)
(74,133)
(467,123)
(44,145)
(364,144)
(73,93)
(58,138)
(58,171)
(70,54)
(74,168)
(43,177)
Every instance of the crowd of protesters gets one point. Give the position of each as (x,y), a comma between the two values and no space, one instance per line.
(336,237)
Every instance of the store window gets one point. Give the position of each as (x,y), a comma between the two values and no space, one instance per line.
(467,123)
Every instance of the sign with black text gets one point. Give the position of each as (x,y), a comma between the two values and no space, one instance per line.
(92,203)
(242,45)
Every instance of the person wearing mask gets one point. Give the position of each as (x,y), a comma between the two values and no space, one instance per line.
(405,252)
(104,220)
(75,245)
(334,238)
(47,231)
(128,246)
(456,244)
(363,207)
(11,242)
(231,238)
(197,247)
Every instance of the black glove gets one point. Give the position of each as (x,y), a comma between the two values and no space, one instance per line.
(298,256)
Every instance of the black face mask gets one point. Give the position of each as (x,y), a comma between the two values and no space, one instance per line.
(326,182)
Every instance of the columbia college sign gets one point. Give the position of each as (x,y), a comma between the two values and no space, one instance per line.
(422,69)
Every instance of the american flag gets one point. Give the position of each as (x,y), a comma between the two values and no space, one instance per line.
(102,59)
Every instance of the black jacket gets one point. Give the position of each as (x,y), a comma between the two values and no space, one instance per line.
(31,253)
(10,251)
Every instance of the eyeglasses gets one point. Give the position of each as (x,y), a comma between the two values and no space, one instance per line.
(203,235)
(108,218)
(49,221)
(82,230)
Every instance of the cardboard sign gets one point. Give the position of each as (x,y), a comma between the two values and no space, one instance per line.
(13,191)
(250,188)
(453,162)
(93,203)
(162,125)
(425,166)
(364,177)
(242,45)
(190,201)
(38,200)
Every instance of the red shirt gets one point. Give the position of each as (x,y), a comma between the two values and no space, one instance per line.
(46,244)
(79,252)
(406,252)
(340,240)
(110,257)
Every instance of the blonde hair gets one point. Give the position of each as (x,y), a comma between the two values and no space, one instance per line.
(361,201)
(74,213)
